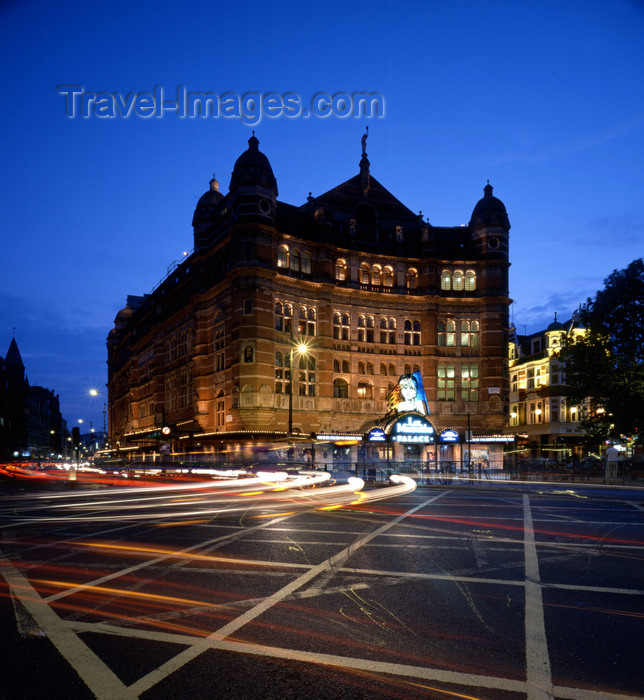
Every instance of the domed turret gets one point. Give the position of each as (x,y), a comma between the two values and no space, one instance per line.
(252,170)
(489,211)
(556,325)
(206,206)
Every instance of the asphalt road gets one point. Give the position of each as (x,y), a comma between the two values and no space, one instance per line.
(496,592)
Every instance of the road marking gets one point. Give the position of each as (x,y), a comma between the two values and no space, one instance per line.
(98,677)
(202,645)
(400,670)
(538,674)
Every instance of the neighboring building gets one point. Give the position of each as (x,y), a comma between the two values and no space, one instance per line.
(31,424)
(546,425)
(371,291)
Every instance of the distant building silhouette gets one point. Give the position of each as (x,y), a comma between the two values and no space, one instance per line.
(31,424)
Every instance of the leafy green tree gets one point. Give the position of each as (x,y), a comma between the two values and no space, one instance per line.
(606,367)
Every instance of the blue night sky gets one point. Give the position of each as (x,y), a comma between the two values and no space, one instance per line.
(545,99)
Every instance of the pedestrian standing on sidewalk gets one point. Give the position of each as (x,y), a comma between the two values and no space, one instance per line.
(611,455)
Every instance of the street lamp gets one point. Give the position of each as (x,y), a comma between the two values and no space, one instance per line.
(96,392)
(301,349)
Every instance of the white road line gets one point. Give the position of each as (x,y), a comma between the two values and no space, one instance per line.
(538,674)
(98,677)
(399,670)
(202,645)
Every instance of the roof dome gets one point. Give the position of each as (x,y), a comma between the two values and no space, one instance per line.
(204,211)
(555,325)
(252,169)
(212,197)
(489,211)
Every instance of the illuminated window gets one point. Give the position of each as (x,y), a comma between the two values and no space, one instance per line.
(446,280)
(470,281)
(340,326)
(340,269)
(306,375)
(412,278)
(365,390)
(469,383)
(362,329)
(457,281)
(376,275)
(446,334)
(282,256)
(470,334)
(220,411)
(388,276)
(446,383)
(365,274)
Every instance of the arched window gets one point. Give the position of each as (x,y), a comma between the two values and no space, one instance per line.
(369,368)
(416,332)
(360,367)
(362,325)
(383,330)
(336,366)
(306,263)
(345,367)
(392,331)
(470,281)
(340,269)
(388,276)
(365,390)
(248,353)
(370,328)
(383,369)
(412,278)
(283,317)
(407,332)
(365,274)
(282,256)
(282,374)
(470,333)
(446,280)
(457,281)
(392,370)
(295,260)
(340,389)
(376,275)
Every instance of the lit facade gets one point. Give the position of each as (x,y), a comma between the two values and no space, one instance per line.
(352,286)
(546,424)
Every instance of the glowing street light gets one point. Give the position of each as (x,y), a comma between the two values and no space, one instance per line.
(302,350)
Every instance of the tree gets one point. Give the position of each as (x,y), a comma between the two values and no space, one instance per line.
(606,366)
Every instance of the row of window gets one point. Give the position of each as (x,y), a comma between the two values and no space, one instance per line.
(306,318)
(534,377)
(375,275)
(294,260)
(553,410)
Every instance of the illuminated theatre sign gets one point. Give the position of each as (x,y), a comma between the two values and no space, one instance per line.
(413,429)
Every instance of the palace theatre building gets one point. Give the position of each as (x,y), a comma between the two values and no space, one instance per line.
(351,289)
